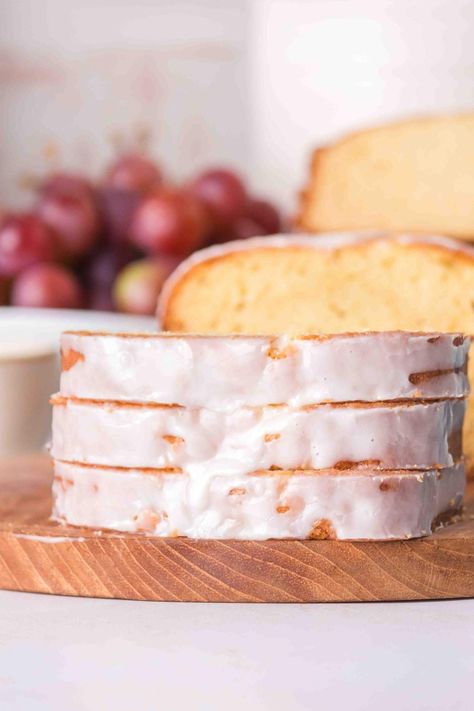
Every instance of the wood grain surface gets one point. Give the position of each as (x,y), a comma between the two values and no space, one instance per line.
(40,556)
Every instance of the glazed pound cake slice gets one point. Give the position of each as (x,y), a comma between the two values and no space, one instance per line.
(354,505)
(416,175)
(227,372)
(201,442)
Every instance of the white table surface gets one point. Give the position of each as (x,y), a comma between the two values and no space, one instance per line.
(71,654)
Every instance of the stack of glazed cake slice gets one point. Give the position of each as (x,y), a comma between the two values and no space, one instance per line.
(354,436)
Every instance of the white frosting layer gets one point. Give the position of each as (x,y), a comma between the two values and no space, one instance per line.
(323,242)
(349,506)
(207,443)
(224,373)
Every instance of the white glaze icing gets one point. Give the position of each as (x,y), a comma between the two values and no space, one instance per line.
(323,242)
(227,372)
(357,505)
(205,443)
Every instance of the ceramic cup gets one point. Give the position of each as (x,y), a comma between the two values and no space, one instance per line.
(29,368)
(28,376)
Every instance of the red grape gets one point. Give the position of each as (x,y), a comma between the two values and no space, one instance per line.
(73,218)
(264,214)
(138,285)
(222,192)
(243,228)
(47,285)
(98,274)
(100,299)
(66,183)
(133,172)
(103,265)
(117,209)
(3,292)
(169,222)
(24,240)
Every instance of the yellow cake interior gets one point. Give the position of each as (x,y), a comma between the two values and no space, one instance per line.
(300,290)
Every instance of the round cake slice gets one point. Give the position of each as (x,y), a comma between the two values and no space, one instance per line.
(299,505)
(204,443)
(227,372)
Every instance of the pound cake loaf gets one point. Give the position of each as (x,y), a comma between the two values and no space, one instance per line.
(416,175)
(326,284)
(224,373)
(202,442)
(342,505)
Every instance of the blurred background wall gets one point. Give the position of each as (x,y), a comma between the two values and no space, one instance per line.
(254,84)
(75,74)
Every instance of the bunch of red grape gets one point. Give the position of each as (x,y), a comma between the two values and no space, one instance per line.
(112,245)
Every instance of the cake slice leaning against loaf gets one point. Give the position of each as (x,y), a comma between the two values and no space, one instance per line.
(300,284)
(343,505)
(307,284)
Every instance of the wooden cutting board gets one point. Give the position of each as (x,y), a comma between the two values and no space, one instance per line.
(39,556)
